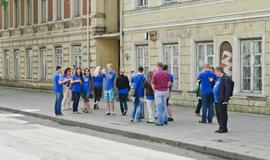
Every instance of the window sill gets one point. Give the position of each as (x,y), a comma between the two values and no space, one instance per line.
(245,95)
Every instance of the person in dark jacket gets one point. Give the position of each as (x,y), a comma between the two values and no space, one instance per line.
(222,93)
(150,98)
(122,84)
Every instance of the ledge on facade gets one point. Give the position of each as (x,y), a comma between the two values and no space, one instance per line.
(108,35)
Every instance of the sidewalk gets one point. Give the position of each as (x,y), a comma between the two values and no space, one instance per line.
(248,137)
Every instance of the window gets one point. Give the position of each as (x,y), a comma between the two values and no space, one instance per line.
(29,11)
(171,58)
(17,12)
(17,63)
(6,21)
(29,63)
(142,57)
(142,3)
(77,8)
(251,65)
(77,56)
(43,63)
(205,54)
(59,9)
(7,63)
(43,10)
(58,56)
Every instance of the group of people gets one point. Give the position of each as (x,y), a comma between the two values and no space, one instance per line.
(214,89)
(72,83)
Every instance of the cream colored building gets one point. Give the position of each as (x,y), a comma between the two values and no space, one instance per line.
(189,33)
(38,35)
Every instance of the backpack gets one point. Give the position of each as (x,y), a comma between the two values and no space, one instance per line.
(232,87)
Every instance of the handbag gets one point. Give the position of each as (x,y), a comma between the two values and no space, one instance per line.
(133,91)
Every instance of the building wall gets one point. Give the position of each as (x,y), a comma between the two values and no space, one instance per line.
(188,23)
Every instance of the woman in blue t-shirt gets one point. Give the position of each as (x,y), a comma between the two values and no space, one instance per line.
(98,86)
(76,81)
(86,89)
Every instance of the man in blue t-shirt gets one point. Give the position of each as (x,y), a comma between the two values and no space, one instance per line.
(58,90)
(206,77)
(138,86)
(109,77)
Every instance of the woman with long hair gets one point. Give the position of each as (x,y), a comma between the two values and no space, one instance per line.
(76,81)
(98,86)
(150,103)
(66,103)
(86,89)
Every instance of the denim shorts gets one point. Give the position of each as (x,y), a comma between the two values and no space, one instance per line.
(85,97)
(109,95)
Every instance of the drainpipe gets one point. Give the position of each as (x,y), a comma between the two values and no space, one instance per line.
(122,57)
(87,30)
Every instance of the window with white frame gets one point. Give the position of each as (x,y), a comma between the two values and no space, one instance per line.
(17,63)
(205,54)
(251,65)
(142,3)
(29,11)
(29,63)
(142,57)
(59,4)
(77,56)
(58,56)
(6,20)
(77,8)
(17,12)
(43,10)
(43,63)
(171,58)
(7,63)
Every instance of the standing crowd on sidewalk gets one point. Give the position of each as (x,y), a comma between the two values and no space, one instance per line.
(73,83)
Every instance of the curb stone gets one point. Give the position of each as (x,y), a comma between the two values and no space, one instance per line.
(183,145)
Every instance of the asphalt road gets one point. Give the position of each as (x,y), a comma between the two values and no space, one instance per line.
(27,138)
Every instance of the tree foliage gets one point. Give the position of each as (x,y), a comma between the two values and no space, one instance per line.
(4,3)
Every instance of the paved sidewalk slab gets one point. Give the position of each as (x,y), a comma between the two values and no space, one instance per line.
(248,137)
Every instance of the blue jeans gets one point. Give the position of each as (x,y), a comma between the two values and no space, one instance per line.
(137,108)
(207,108)
(161,106)
(57,104)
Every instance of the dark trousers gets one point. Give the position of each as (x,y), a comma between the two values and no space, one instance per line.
(223,116)
(98,93)
(57,104)
(199,105)
(207,108)
(76,99)
(218,114)
(123,102)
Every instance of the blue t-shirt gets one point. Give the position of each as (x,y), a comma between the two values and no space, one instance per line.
(86,84)
(57,88)
(123,91)
(171,80)
(138,84)
(150,97)
(109,80)
(216,90)
(205,76)
(76,87)
(98,80)
(64,77)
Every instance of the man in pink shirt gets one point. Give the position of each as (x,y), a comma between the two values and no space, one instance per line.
(160,84)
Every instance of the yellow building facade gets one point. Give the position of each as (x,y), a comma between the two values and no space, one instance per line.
(186,34)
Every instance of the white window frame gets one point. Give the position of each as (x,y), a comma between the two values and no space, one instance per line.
(61,10)
(79,9)
(6,17)
(77,52)
(43,63)
(17,9)
(29,63)
(17,62)
(171,66)
(29,16)
(58,56)
(142,3)
(7,63)
(252,65)
(206,56)
(44,18)
(144,48)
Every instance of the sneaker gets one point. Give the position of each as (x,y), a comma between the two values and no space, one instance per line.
(150,121)
(131,120)
(95,106)
(107,114)
(113,113)
(170,119)
(159,124)
(125,112)
(202,122)
(76,112)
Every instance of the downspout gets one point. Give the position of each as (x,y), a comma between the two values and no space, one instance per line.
(87,30)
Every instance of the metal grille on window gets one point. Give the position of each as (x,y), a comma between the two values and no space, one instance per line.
(77,56)
(251,61)
(59,9)
(142,57)
(58,56)
(43,60)
(77,8)
(205,54)
(171,57)
(17,63)
(43,10)
(29,11)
